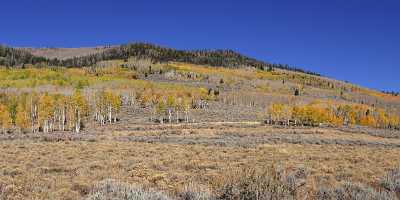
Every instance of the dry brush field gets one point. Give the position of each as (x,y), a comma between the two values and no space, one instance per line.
(168,157)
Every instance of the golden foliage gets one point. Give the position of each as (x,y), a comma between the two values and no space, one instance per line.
(5,118)
(316,113)
(22,116)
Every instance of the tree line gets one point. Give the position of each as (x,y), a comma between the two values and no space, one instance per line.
(18,57)
(170,106)
(315,114)
(46,112)
(226,58)
(393,93)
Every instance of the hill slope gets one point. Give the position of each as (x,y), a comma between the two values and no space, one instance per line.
(137,115)
(78,57)
(64,53)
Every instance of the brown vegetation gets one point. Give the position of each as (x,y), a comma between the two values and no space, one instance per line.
(134,127)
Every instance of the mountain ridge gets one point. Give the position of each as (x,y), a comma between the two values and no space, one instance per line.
(214,57)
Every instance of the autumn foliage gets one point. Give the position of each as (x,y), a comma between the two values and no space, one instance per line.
(317,113)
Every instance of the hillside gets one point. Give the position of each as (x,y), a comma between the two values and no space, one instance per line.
(279,94)
(64,53)
(109,122)
(79,57)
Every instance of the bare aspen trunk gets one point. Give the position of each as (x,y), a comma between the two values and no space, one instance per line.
(50,126)
(45,126)
(109,113)
(177,116)
(169,115)
(101,120)
(161,119)
(152,111)
(187,116)
(78,121)
(70,121)
(59,122)
(63,119)
(33,116)
(32,120)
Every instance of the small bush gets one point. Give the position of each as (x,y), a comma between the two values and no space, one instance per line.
(265,184)
(391,181)
(112,190)
(353,191)
(193,191)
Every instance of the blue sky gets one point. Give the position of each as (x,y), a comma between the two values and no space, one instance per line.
(353,40)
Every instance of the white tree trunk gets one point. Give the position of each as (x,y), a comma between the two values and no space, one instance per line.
(46,126)
(169,115)
(63,119)
(78,121)
(109,113)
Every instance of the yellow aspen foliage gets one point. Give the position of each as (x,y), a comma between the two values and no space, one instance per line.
(170,101)
(318,112)
(145,98)
(79,101)
(203,94)
(314,114)
(5,118)
(352,116)
(116,102)
(79,108)
(22,119)
(382,118)
(394,121)
(334,118)
(46,105)
(368,120)
(161,107)
(275,111)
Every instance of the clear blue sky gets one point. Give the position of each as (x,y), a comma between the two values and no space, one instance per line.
(354,40)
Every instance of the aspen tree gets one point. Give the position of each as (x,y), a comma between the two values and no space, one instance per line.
(170,107)
(46,108)
(153,107)
(276,111)
(100,108)
(62,105)
(186,107)
(394,121)
(161,109)
(5,118)
(80,109)
(382,118)
(22,117)
(178,107)
(109,99)
(116,105)
(33,106)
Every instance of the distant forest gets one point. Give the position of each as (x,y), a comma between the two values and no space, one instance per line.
(226,58)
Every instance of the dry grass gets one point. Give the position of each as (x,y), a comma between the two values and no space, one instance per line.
(68,169)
